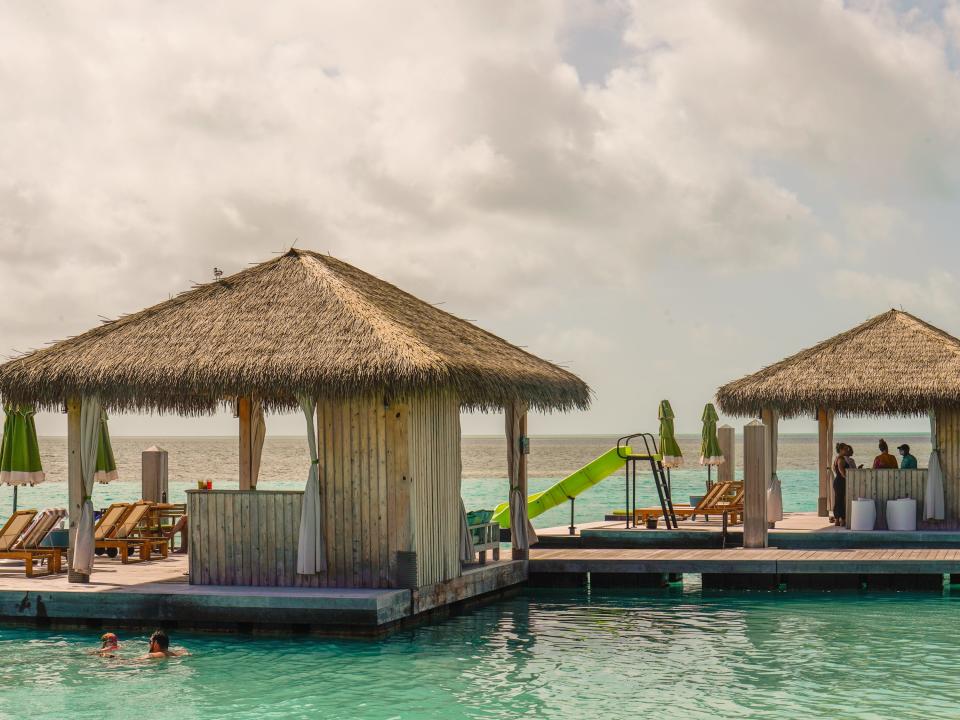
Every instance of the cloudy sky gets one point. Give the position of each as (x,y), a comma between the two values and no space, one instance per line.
(662,196)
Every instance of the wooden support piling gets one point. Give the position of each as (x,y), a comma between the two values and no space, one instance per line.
(754,485)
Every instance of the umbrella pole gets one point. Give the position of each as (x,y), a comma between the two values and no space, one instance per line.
(15,488)
(709,477)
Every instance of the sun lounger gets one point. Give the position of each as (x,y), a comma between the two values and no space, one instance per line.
(42,524)
(722,497)
(11,535)
(115,531)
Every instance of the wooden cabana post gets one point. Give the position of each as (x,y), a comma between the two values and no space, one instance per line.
(516,453)
(246,443)
(75,490)
(824,461)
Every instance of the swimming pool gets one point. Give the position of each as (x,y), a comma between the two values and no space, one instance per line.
(545,654)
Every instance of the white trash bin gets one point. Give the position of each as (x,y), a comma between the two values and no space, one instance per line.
(863,514)
(902,514)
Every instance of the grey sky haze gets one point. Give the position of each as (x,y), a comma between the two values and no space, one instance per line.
(661,196)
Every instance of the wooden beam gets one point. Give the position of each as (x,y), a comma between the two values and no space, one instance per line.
(825,460)
(75,491)
(246,443)
(754,485)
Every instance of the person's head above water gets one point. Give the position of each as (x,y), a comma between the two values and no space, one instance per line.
(109,641)
(159,642)
(883,446)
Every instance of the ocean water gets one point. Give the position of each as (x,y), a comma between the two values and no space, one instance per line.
(285,462)
(560,655)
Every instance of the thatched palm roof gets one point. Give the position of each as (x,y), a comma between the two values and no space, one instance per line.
(302,322)
(893,364)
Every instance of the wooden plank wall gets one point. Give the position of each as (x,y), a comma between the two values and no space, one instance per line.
(883,485)
(948,440)
(434,423)
(390,481)
(362,514)
(245,538)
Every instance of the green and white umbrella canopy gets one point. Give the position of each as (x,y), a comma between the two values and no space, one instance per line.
(19,450)
(106,463)
(709,444)
(669,449)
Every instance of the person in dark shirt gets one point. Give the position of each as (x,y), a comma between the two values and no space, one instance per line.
(908,461)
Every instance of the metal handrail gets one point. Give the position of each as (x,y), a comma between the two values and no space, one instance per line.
(623,443)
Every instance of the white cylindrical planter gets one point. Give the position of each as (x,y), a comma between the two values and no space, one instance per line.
(863,514)
(902,514)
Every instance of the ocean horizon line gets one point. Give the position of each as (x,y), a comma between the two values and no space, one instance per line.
(481,436)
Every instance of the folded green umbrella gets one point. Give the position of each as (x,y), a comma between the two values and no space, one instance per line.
(19,450)
(669,449)
(106,463)
(709,444)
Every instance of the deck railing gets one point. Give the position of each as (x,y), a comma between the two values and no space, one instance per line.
(883,485)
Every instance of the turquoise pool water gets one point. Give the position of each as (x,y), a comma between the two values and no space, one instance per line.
(550,654)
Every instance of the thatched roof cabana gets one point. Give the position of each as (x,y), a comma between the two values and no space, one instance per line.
(300,323)
(893,364)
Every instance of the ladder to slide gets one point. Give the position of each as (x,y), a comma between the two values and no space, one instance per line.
(652,456)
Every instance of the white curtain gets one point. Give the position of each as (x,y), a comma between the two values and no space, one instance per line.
(311,553)
(258,433)
(933,500)
(89,437)
(466,541)
(522,533)
(774,489)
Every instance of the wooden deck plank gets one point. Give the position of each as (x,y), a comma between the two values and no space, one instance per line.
(888,560)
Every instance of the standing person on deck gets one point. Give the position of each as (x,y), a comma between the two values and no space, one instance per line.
(909,462)
(840,485)
(885,461)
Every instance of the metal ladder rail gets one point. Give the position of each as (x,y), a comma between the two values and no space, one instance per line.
(660,481)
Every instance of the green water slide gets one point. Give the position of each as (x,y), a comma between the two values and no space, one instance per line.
(571,486)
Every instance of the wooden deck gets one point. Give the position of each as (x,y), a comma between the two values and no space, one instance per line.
(797,531)
(740,560)
(156,593)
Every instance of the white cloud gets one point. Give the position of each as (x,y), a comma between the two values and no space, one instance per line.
(509,159)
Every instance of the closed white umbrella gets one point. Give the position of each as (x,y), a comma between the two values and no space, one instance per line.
(933,495)
(774,487)
(311,551)
(258,433)
(466,541)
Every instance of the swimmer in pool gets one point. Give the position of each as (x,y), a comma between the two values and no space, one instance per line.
(160,647)
(109,644)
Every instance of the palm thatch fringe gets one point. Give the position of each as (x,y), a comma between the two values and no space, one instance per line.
(893,364)
(302,323)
